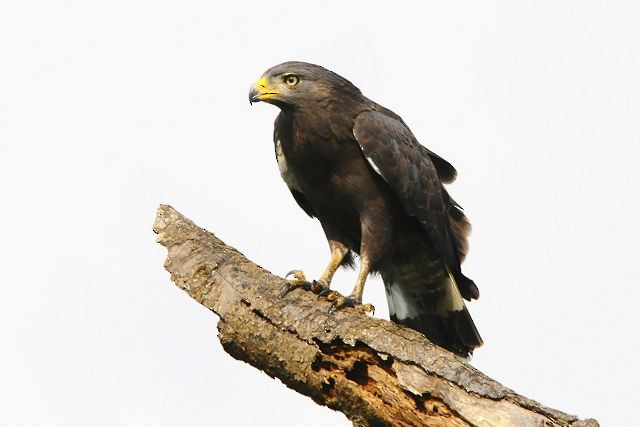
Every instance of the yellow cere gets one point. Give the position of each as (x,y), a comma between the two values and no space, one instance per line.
(262,83)
(264,90)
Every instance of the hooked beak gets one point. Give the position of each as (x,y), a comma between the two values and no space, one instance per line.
(261,91)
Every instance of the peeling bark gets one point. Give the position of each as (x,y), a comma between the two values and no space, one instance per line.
(375,372)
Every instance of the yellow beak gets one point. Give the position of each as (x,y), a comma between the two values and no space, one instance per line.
(262,91)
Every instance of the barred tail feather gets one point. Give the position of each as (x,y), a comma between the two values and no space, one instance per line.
(433,306)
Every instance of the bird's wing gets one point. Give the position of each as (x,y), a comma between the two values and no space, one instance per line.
(406,166)
(285,173)
(446,172)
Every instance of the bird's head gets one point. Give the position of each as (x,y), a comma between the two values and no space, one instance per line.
(298,84)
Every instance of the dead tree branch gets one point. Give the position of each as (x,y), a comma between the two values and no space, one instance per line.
(375,372)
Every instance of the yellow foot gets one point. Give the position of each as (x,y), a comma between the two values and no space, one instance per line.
(300,281)
(339,301)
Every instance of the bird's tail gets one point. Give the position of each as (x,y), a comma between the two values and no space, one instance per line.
(431,304)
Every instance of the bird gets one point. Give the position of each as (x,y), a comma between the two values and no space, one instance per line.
(378,195)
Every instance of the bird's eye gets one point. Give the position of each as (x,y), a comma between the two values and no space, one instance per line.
(291,80)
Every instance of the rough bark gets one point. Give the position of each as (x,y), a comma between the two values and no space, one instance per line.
(375,372)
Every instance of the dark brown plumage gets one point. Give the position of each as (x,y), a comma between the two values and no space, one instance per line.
(377,192)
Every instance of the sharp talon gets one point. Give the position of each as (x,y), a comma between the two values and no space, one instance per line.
(325,293)
(297,281)
(297,275)
(336,299)
(367,308)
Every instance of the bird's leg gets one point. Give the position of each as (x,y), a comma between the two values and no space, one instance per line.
(358,289)
(375,227)
(355,299)
(338,252)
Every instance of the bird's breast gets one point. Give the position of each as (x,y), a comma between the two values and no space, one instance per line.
(323,162)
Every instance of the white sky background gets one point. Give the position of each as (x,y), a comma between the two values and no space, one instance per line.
(108,109)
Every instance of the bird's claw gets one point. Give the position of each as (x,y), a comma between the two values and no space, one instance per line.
(320,288)
(325,293)
(339,301)
(298,281)
(297,275)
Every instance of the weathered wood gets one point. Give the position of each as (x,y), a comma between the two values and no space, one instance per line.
(375,372)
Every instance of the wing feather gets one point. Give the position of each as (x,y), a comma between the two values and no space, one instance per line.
(407,167)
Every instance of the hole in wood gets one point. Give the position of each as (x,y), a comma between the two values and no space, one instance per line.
(359,372)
